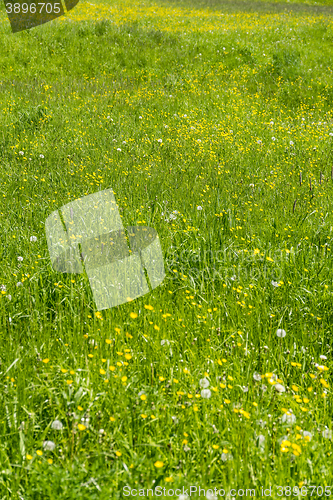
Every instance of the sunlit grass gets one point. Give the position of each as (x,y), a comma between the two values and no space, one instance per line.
(215,128)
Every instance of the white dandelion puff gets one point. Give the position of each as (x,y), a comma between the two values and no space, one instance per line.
(204,383)
(57,425)
(49,445)
(206,393)
(288,418)
(327,434)
(281,333)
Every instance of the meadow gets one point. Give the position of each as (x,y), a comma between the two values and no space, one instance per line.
(213,124)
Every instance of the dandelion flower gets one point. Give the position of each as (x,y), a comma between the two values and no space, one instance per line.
(206,393)
(257,376)
(57,425)
(288,418)
(327,434)
(49,445)
(280,388)
(203,382)
(281,333)
(158,464)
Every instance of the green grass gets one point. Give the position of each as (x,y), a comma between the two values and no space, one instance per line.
(216,85)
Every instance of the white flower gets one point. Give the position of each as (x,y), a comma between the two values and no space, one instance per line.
(206,393)
(57,425)
(322,356)
(175,420)
(21,153)
(159,140)
(281,333)
(203,382)
(165,341)
(41,156)
(124,142)
(19,283)
(259,141)
(185,116)
(101,431)
(291,143)
(280,388)
(327,434)
(257,376)
(20,259)
(331,134)
(223,48)
(140,393)
(251,185)
(33,238)
(264,388)
(271,123)
(9,297)
(49,445)
(275,283)
(10,320)
(118,149)
(273,139)
(108,117)
(140,117)
(199,208)
(226,456)
(3,288)
(245,388)
(288,418)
